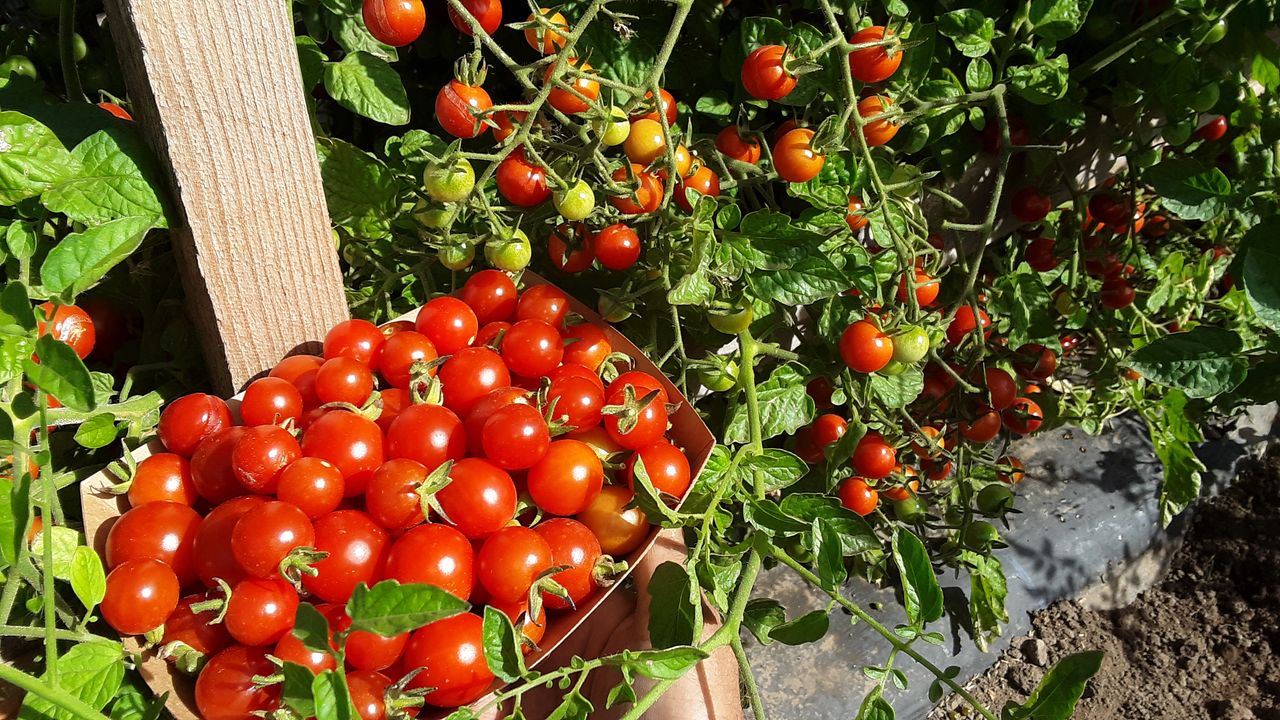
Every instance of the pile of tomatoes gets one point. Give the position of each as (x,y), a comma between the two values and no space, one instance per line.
(476,449)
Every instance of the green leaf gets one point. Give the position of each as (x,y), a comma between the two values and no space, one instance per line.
(98,431)
(666,664)
(32,159)
(14,502)
(352,36)
(368,86)
(1041,83)
(362,192)
(296,689)
(921,594)
(88,580)
(856,535)
(829,551)
(978,74)
(90,671)
(969,29)
(715,104)
(785,407)
(1203,362)
(650,501)
(987,592)
(15,307)
(502,650)
(312,628)
(390,608)
(118,179)
(761,616)
(81,259)
(1057,20)
(311,60)
(1265,72)
(1189,188)
(875,707)
(574,707)
(65,541)
(332,697)
(897,391)
(776,469)
(675,615)
(22,240)
(60,373)
(1056,695)
(807,628)
(809,280)
(1172,433)
(1262,272)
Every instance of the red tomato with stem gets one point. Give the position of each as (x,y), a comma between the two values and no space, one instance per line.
(734,146)
(1001,387)
(349,442)
(434,554)
(368,688)
(532,348)
(187,421)
(1034,361)
(874,64)
(510,560)
(357,550)
(266,534)
(164,531)
(69,324)
(357,340)
(260,611)
(813,439)
(226,689)
(1024,416)
(666,466)
(461,108)
(290,649)
(966,322)
(854,217)
(572,544)
(982,429)
(394,22)
(312,485)
(261,454)
(666,106)
(647,424)
(617,247)
(641,382)
(469,375)
(488,334)
(343,380)
(873,457)
(212,543)
(392,499)
(794,157)
(487,13)
(522,182)
(864,347)
(451,655)
(427,434)
(703,181)
(577,402)
(856,495)
(404,354)
(479,499)
(567,478)
(449,323)
(141,594)
(195,630)
(163,477)
(270,401)
(926,287)
(570,248)
(764,73)
(515,437)
(879,128)
(584,88)
(364,650)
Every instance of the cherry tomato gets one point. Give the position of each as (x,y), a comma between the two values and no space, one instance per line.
(115,110)
(874,64)
(1010,469)
(364,650)
(487,13)
(266,534)
(449,323)
(261,454)
(666,465)
(586,345)
(195,630)
(69,324)
(794,159)
(484,408)
(1034,361)
(642,382)
(460,108)
(187,421)
(1213,130)
(576,202)
(434,554)
(506,123)
(764,74)
(212,543)
(163,477)
(141,594)
(391,498)
(394,22)
(532,348)
(906,490)
(488,335)
(1039,255)
(865,348)
(510,560)
(647,426)
(567,478)
(619,528)
(260,611)
(403,355)
(881,130)
(312,485)
(982,429)
(577,402)
(617,247)
(813,439)
(479,499)
(451,655)
(515,437)
(645,143)
(1001,387)
(163,531)
(965,323)
(427,434)
(521,182)
(734,146)
(368,688)
(469,375)
(873,457)
(357,549)
(300,370)
(567,101)
(1117,293)
(1030,205)
(570,248)
(646,197)
(858,496)
(290,649)
(270,401)
(491,295)
(226,690)
(547,40)
(666,106)
(703,181)
(910,344)
(572,544)
(855,218)
(1019,134)
(518,612)
(358,340)
(342,380)
(349,442)
(927,289)
(547,303)
(1024,416)
(819,388)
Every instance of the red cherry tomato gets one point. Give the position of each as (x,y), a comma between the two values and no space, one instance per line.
(488,334)
(1024,416)
(1030,205)
(764,75)
(547,303)
(226,689)
(881,130)
(510,560)
(460,108)
(965,322)
(163,477)
(532,348)
(394,22)
(666,465)
(357,340)
(141,593)
(391,498)
(515,437)
(260,611)
(357,549)
(666,106)
(402,354)
(647,427)
(294,366)
(261,454)
(858,496)
(794,157)
(1019,134)
(343,380)
(266,534)
(1040,256)
(427,434)
(874,64)
(313,485)
(195,630)
(189,420)
(819,388)
(865,348)
(164,531)
(586,345)
(1001,387)
(449,323)
(290,649)
(1117,293)
(572,544)
(451,655)
(573,102)
(873,457)
(469,375)
(567,478)
(1213,130)
(521,182)
(641,382)
(617,247)
(854,217)
(577,402)
(436,555)
(547,40)
(570,248)
(1033,361)
(270,401)
(927,289)
(615,521)
(212,543)
(731,142)
(484,407)
(479,499)
(982,429)
(69,324)
(491,295)
(488,13)
(703,181)
(813,439)
(349,442)
(364,650)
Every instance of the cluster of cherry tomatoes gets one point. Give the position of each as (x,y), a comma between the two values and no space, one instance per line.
(475,448)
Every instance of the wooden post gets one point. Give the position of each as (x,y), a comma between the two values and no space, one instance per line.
(217,89)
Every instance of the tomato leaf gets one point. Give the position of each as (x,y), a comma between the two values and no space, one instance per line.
(1262,272)
(875,707)
(829,551)
(60,373)
(897,391)
(332,697)
(311,60)
(1042,82)
(807,628)
(90,671)
(21,239)
(761,616)
(784,406)
(811,279)
(502,650)
(88,581)
(296,689)
(64,543)
(98,431)
(988,589)
(921,594)
(15,498)
(1056,696)
(856,535)
(390,608)
(16,312)
(675,615)
(118,179)
(776,469)
(1057,20)
(1203,362)
(970,30)
(362,192)
(312,629)
(366,85)
(667,664)
(1190,189)
(32,159)
(1172,434)
(79,260)
(574,707)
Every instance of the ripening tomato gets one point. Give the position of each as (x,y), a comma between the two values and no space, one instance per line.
(666,466)
(195,630)
(505,124)
(260,611)
(69,324)
(261,454)
(1117,293)
(349,442)
(734,146)
(547,40)
(532,348)
(356,549)
(391,498)
(864,347)
(270,401)
(617,247)
(313,485)
(1213,130)
(1030,205)
(795,159)
(405,356)
(584,88)
(646,197)
(532,629)
(666,106)
(468,375)
(449,323)
(427,434)
(854,217)
(644,425)
(965,322)
(927,288)
(567,478)
(813,439)
(522,182)
(187,421)
(491,294)
(515,437)
(394,22)
(1039,255)
(615,521)
(874,64)
(1010,469)
(703,181)
(434,554)
(141,594)
(873,457)
(510,560)
(879,127)
(765,75)
(575,546)
(487,13)
(570,247)
(163,477)
(856,495)
(163,531)
(645,143)
(1001,388)
(1024,416)
(358,340)
(479,499)
(906,490)
(227,689)
(451,655)
(461,108)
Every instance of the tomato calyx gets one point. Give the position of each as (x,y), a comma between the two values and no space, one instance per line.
(298,562)
(629,412)
(430,392)
(546,583)
(607,570)
(184,657)
(431,485)
(217,602)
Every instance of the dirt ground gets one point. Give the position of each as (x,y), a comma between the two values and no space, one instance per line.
(1204,644)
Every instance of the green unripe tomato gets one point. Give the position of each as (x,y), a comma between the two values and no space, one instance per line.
(575,203)
(719,379)
(350,255)
(457,257)
(1065,304)
(1205,98)
(1179,132)
(449,183)
(19,65)
(1214,33)
(954,515)
(612,310)
(893,368)
(904,174)
(734,322)
(79,50)
(337,239)
(910,345)
(434,218)
(980,535)
(908,510)
(511,254)
(995,500)
(614,131)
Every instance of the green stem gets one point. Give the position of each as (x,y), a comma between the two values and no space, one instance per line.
(1119,48)
(747,380)
(39,688)
(748,679)
(48,497)
(67,52)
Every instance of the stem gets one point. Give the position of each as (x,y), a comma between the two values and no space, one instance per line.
(67,52)
(72,704)
(48,497)
(1118,49)
(747,379)
(748,679)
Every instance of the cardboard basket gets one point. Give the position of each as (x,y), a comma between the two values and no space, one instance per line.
(101,508)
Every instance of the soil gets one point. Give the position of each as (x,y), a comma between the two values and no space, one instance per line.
(1204,644)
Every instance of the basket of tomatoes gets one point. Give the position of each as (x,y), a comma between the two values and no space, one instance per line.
(471,450)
